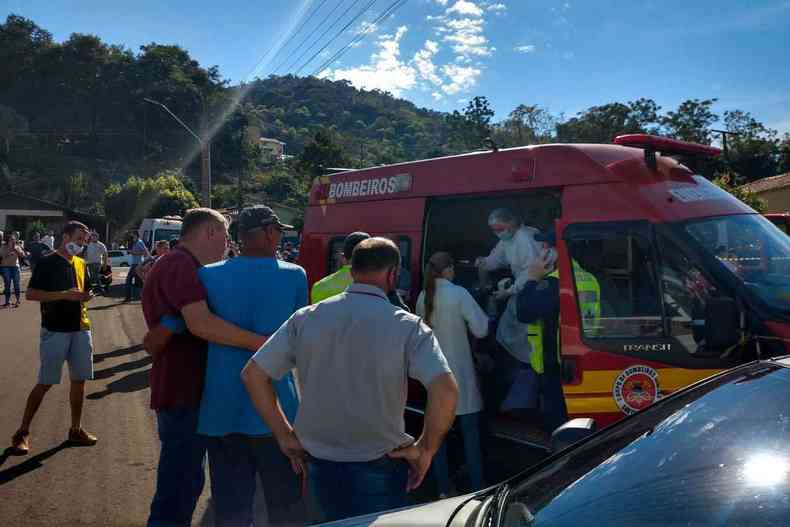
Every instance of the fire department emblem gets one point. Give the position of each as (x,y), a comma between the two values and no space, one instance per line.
(636,388)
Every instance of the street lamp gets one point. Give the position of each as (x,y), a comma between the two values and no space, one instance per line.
(205,153)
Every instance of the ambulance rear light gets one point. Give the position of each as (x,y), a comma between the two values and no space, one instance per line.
(668,147)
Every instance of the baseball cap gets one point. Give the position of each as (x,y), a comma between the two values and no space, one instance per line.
(258,217)
(351,241)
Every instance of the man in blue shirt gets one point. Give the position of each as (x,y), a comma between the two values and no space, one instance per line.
(256,292)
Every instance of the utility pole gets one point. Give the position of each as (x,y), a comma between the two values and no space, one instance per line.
(724,134)
(205,153)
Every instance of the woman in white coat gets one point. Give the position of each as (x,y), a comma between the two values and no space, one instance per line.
(452,312)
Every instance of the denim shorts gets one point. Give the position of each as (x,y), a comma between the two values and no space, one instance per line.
(56,347)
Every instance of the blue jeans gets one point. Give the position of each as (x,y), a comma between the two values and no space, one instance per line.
(130,278)
(344,490)
(181,475)
(10,276)
(469,425)
(234,461)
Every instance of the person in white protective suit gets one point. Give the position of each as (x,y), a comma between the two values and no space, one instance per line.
(516,249)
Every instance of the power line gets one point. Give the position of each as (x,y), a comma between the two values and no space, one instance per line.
(317,41)
(301,26)
(337,35)
(361,35)
(308,36)
(269,51)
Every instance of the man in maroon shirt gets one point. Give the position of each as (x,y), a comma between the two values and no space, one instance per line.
(173,288)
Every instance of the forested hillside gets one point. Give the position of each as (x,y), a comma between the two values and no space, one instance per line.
(74,126)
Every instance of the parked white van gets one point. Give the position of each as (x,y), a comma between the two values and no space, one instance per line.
(154,229)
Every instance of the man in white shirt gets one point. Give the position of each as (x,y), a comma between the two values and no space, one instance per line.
(516,249)
(49,240)
(95,257)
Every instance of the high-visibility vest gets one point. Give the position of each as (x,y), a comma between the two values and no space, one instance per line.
(590,303)
(332,285)
(589,293)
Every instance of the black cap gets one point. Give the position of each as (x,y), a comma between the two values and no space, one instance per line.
(351,241)
(258,217)
(549,237)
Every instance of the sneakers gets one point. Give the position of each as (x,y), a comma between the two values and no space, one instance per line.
(80,437)
(20,443)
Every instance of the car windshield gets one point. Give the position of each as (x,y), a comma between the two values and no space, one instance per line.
(716,455)
(753,249)
(166,234)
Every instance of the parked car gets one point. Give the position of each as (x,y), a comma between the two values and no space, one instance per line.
(715,453)
(120,258)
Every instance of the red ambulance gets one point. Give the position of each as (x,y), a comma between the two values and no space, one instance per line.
(692,281)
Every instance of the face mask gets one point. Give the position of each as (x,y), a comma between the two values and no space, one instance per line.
(73,248)
(504,235)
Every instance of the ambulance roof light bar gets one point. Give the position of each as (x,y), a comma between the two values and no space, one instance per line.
(666,146)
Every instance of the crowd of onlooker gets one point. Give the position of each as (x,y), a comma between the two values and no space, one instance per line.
(303,389)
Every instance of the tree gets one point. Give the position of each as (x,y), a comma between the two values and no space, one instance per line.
(784,154)
(11,123)
(36,226)
(165,195)
(725,182)
(691,121)
(526,125)
(601,124)
(751,152)
(323,152)
(468,130)
(287,189)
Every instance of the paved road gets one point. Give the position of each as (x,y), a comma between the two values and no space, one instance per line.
(110,484)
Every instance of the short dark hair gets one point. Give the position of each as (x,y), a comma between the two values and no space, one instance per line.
(194,218)
(73,226)
(375,255)
(351,241)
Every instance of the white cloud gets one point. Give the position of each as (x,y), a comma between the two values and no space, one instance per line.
(464,7)
(466,36)
(386,71)
(447,65)
(529,48)
(461,78)
(423,62)
(568,55)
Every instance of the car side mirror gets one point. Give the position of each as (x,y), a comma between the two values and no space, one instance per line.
(571,432)
(722,323)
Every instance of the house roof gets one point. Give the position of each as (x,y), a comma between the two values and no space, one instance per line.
(21,201)
(769,183)
(270,140)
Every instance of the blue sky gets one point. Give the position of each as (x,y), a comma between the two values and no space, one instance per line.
(563,55)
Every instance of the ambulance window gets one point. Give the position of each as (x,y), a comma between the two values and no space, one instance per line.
(405,279)
(335,253)
(615,279)
(686,290)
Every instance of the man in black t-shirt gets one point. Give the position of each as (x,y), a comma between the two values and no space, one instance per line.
(60,283)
